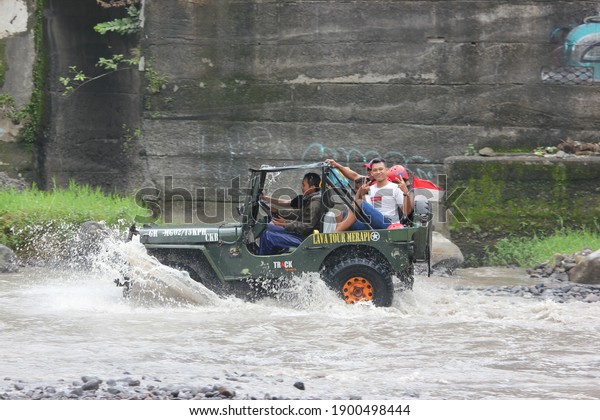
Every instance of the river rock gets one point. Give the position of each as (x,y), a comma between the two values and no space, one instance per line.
(587,271)
(7,182)
(559,266)
(445,254)
(8,260)
(487,151)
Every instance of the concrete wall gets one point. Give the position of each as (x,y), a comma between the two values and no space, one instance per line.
(253,82)
(87,136)
(277,82)
(17,55)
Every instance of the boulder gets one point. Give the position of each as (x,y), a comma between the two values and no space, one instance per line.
(8,260)
(7,182)
(445,254)
(587,271)
(487,151)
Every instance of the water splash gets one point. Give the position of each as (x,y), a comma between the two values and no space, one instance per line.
(149,281)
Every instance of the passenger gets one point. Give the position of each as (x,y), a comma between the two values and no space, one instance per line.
(399,175)
(383,203)
(369,176)
(292,226)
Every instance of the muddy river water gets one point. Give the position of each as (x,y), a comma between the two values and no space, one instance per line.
(445,339)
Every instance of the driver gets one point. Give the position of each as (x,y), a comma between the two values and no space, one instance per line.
(293,225)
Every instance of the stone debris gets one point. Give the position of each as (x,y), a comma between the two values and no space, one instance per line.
(560,293)
(93,388)
(579,148)
(144,388)
(560,265)
(487,152)
(553,281)
(7,182)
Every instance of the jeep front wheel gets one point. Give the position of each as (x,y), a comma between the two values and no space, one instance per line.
(361,280)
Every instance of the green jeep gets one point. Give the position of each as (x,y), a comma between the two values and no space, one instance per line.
(358,265)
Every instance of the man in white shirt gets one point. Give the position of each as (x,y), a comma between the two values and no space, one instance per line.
(382,203)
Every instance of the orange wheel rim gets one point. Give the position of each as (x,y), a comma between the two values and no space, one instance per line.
(357,289)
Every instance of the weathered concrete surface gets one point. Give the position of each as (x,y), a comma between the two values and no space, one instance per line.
(264,81)
(17,55)
(89,134)
(14,16)
(278,82)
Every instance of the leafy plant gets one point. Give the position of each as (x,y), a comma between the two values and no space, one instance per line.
(27,116)
(8,108)
(116,3)
(545,150)
(78,78)
(129,136)
(125,26)
(156,81)
(471,150)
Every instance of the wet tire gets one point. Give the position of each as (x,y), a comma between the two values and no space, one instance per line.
(361,279)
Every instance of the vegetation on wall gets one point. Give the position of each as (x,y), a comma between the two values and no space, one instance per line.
(8,108)
(30,115)
(521,199)
(2,65)
(129,25)
(78,78)
(117,3)
(125,26)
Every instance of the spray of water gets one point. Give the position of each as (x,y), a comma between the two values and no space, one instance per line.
(148,281)
(96,248)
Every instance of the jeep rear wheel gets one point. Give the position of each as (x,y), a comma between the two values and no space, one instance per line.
(361,280)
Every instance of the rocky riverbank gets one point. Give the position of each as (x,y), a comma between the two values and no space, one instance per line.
(561,293)
(129,388)
(564,278)
(580,267)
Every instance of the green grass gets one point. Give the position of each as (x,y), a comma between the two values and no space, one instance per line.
(529,252)
(23,215)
